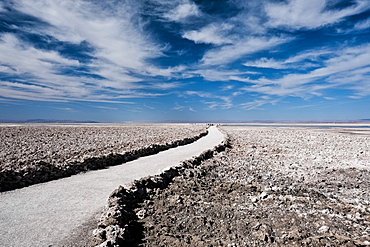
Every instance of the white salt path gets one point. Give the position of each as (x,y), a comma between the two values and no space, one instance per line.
(53,213)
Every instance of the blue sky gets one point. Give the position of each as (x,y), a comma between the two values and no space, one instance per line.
(160,60)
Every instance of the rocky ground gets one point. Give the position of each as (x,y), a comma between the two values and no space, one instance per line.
(273,187)
(36,153)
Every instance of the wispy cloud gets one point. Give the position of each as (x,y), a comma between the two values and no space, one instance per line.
(225,103)
(22,58)
(253,105)
(149,107)
(183,11)
(212,74)
(257,103)
(178,107)
(266,63)
(118,45)
(297,14)
(357,81)
(230,53)
(227,87)
(111,31)
(165,85)
(211,34)
(365,24)
(301,61)
(175,71)
(68,109)
(347,68)
(106,108)
(301,107)
(29,92)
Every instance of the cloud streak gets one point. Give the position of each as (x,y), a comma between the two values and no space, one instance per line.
(297,14)
(225,103)
(231,53)
(349,68)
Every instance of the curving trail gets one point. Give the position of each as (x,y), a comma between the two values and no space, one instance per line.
(61,212)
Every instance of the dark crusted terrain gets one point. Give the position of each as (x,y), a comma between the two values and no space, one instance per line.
(274,187)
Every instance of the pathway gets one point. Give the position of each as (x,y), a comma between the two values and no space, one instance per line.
(59,212)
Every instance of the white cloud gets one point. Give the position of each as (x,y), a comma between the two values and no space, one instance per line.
(116,40)
(227,87)
(302,61)
(218,75)
(329,98)
(358,81)
(348,68)
(212,105)
(25,59)
(230,53)
(149,107)
(106,108)
(183,11)
(266,63)
(120,49)
(238,78)
(257,103)
(200,94)
(42,80)
(297,14)
(168,72)
(211,34)
(226,102)
(40,66)
(29,91)
(362,25)
(346,60)
(178,107)
(253,105)
(312,55)
(302,107)
(276,90)
(33,92)
(237,93)
(41,69)
(166,85)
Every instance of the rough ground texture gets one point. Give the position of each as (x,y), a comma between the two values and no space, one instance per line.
(119,224)
(31,154)
(274,187)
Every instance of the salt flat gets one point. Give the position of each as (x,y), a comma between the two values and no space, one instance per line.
(53,213)
(274,186)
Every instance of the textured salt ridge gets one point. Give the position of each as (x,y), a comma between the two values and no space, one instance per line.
(240,200)
(119,225)
(45,172)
